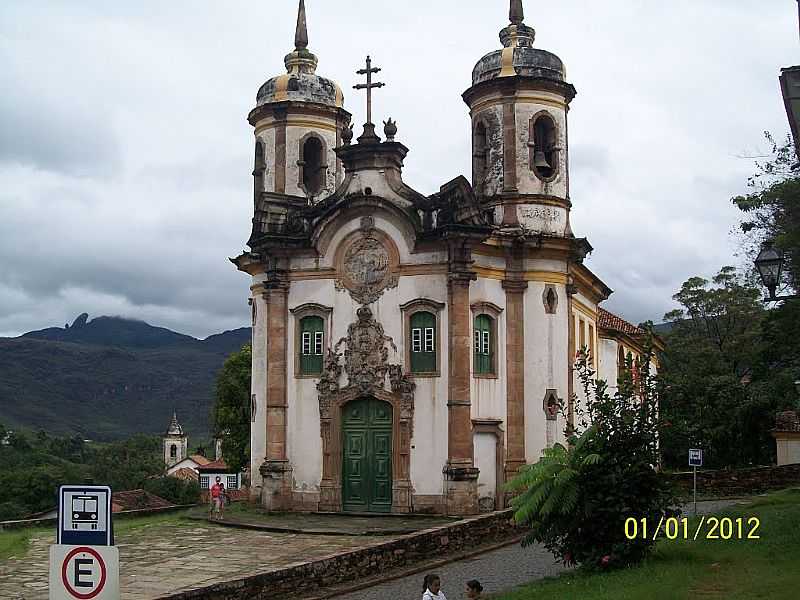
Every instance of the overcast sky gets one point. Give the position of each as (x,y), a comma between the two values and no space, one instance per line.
(125,154)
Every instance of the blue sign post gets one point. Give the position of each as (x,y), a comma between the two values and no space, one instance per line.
(84,516)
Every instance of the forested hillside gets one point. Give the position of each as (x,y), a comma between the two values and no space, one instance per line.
(111,378)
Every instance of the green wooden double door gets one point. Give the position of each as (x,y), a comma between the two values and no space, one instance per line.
(367,456)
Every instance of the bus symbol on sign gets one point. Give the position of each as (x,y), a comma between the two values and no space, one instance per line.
(84,510)
(85,515)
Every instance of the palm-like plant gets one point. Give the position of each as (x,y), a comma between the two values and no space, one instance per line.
(551,486)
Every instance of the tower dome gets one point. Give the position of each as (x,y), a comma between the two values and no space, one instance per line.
(300,82)
(298,122)
(518,56)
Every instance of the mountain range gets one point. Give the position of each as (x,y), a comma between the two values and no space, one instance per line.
(110,378)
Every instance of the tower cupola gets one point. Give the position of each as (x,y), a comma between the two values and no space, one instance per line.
(298,121)
(519,100)
(176,443)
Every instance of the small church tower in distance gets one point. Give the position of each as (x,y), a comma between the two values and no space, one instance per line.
(518,102)
(298,121)
(176,443)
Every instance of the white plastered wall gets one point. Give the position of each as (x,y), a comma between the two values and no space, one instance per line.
(258,429)
(546,366)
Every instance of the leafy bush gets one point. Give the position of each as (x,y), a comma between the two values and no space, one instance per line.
(576,499)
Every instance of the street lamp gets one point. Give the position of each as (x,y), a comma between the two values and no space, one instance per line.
(769,263)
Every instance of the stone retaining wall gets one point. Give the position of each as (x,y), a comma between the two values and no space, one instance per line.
(737,482)
(303,578)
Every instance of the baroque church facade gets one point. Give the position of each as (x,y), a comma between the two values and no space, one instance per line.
(411,351)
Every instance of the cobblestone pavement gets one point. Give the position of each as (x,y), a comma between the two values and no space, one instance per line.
(498,570)
(164,558)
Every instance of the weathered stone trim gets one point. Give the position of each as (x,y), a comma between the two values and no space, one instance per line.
(276,470)
(515,287)
(330,498)
(509,147)
(280,153)
(495,427)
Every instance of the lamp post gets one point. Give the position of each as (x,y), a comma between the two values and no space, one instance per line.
(769,263)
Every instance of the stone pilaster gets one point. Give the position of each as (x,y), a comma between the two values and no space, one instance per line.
(461,476)
(276,470)
(515,287)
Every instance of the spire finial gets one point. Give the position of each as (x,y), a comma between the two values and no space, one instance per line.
(516,13)
(301,33)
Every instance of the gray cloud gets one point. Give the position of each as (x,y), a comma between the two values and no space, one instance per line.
(125,152)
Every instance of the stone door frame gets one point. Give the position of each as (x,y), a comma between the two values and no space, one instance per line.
(331,432)
(494,427)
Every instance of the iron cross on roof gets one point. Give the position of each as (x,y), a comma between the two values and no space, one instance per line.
(369,86)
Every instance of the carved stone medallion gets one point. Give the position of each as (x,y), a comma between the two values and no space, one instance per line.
(366,267)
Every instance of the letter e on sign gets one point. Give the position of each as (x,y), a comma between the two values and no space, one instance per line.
(84,573)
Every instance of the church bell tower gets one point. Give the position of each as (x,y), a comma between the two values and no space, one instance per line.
(519,100)
(298,122)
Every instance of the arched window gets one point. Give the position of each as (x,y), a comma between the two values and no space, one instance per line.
(543,144)
(312,344)
(258,171)
(484,337)
(312,165)
(423,342)
(173,451)
(480,149)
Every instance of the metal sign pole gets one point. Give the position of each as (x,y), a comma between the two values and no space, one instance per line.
(695,490)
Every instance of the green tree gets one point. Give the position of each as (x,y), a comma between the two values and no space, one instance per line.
(772,207)
(231,416)
(576,499)
(719,392)
(128,464)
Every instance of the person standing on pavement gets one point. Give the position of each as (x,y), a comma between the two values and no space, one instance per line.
(474,589)
(213,508)
(432,588)
(221,501)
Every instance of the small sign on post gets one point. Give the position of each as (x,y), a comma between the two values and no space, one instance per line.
(84,563)
(84,573)
(695,460)
(84,516)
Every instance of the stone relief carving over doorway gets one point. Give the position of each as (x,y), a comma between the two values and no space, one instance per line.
(366,364)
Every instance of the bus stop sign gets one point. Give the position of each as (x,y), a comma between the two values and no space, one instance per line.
(84,516)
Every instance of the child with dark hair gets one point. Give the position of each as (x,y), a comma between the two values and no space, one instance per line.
(474,589)
(432,588)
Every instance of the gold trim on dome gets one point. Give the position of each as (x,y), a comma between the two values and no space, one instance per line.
(507,61)
(281,87)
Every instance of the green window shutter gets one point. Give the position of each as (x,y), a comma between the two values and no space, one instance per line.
(483,336)
(422,342)
(312,345)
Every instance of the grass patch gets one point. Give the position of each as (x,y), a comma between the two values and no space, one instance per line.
(14,543)
(767,568)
